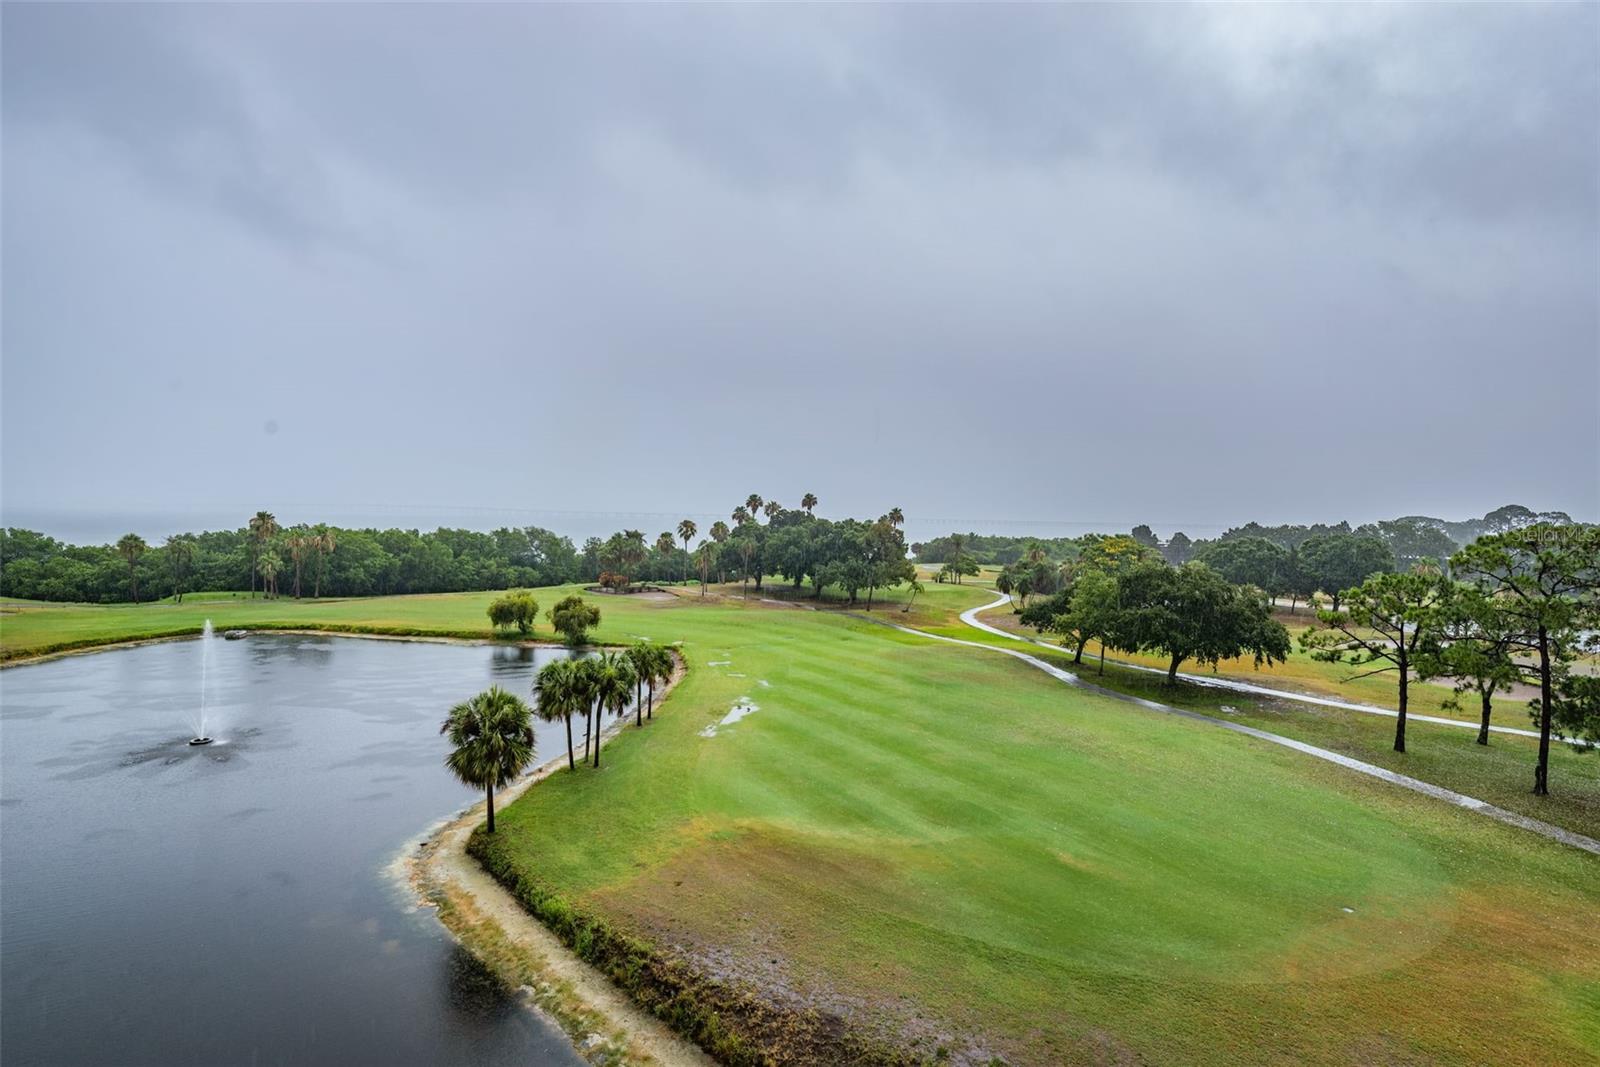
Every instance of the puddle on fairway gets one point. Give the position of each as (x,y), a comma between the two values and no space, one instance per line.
(744,706)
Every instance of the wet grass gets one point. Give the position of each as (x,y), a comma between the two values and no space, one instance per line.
(950,850)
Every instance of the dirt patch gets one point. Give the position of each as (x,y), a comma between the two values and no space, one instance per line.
(806,1009)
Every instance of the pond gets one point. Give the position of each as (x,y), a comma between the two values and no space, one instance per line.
(168,904)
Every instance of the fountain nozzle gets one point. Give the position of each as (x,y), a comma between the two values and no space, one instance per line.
(200,740)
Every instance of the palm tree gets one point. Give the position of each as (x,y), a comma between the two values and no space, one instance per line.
(686,531)
(740,516)
(633,554)
(808,502)
(180,556)
(660,667)
(298,542)
(704,559)
(612,677)
(719,534)
(747,549)
(491,738)
(770,509)
(752,504)
(325,543)
(916,587)
(665,545)
(269,564)
(130,548)
(639,654)
(583,695)
(263,527)
(896,517)
(557,688)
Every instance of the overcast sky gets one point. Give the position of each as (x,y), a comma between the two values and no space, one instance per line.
(1106,265)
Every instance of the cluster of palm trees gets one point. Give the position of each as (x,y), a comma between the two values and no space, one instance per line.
(304,544)
(597,684)
(706,557)
(491,735)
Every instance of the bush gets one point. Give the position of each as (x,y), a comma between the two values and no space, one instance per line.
(573,618)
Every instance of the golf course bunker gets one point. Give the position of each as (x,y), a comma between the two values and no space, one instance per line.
(742,707)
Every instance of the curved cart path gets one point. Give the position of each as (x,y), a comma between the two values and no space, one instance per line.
(970,617)
(1461,800)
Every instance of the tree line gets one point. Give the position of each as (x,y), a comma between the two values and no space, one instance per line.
(267,559)
(1410,539)
(854,556)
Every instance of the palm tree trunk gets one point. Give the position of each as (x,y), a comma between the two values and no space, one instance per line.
(491,807)
(650,713)
(597,720)
(571,764)
(638,701)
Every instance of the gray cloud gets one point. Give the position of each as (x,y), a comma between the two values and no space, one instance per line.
(1181,265)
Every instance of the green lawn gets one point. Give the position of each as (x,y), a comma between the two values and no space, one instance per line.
(949,848)
(950,845)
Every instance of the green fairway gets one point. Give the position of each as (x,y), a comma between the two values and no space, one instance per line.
(953,851)
(952,846)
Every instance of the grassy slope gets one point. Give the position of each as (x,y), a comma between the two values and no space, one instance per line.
(954,846)
(957,847)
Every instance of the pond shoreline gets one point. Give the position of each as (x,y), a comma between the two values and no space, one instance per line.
(353,630)
(603,1023)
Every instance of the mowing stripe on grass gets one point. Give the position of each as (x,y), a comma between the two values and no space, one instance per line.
(1461,800)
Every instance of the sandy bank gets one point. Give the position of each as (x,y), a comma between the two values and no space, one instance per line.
(603,1022)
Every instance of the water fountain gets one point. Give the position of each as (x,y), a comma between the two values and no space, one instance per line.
(200,737)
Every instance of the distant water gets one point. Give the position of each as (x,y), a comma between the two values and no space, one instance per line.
(229,904)
(104,527)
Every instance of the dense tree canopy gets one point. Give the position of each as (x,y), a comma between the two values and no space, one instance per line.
(1192,613)
(338,562)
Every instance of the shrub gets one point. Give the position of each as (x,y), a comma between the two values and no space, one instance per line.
(573,617)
